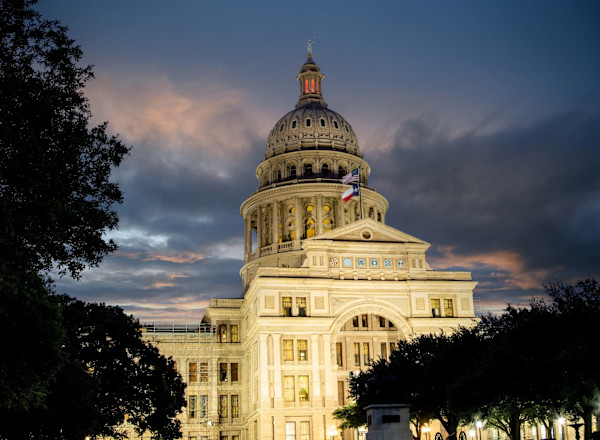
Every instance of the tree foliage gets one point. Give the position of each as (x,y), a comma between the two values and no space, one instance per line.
(528,364)
(110,374)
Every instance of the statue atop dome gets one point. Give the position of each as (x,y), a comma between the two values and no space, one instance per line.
(309,44)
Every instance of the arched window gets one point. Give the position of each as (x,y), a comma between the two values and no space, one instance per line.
(308,169)
(281,127)
(278,175)
(294,124)
(293,171)
(325,170)
(341,171)
(335,124)
(308,122)
(310,228)
(322,122)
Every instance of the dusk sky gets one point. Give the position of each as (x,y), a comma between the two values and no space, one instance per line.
(480,120)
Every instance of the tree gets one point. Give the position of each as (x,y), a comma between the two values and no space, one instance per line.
(110,375)
(56,197)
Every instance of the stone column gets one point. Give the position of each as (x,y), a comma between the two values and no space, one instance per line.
(316,380)
(247,234)
(340,218)
(277,383)
(275,227)
(264,372)
(298,218)
(258,230)
(319,209)
(383,217)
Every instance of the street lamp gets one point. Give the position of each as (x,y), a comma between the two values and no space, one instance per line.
(332,432)
(362,432)
(426,429)
(479,425)
(472,434)
(561,427)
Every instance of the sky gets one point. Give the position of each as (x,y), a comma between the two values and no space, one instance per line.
(480,120)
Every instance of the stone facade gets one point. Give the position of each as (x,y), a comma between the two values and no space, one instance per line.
(327,287)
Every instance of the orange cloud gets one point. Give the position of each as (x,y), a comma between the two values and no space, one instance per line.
(187,257)
(507,265)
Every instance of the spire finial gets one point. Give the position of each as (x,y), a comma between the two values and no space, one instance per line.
(309,44)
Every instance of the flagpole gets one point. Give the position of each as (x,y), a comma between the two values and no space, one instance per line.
(360,195)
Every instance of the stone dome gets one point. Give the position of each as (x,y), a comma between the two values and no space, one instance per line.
(311,125)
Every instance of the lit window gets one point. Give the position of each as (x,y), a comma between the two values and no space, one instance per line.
(288,350)
(286,305)
(192,372)
(303,388)
(309,208)
(448,308)
(355,321)
(192,407)
(222,406)
(364,321)
(356,354)
(235,406)
(326,208)
(338,354)
(306,85)
(290,431)
(235,376)
(341,393)
(435,308)
(288,388)
(204,372)
(302,350)
(301,304)
(304,430)
(222,333)
(366,354)
(223,372)
(312,85)
(234,333)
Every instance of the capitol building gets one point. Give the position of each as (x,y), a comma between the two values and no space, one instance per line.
(327,287)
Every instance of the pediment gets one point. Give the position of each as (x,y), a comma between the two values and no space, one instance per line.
(368,230)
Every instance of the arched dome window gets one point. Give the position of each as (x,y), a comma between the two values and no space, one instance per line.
(278,175)
(325,170)
(335,124)
(281,127)
(293,124)
(310,228)
(308,122)
(341,171)
(322,122)
(293,171)
(308,171)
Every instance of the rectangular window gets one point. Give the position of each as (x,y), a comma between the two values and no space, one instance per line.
(366,354)
(435,308)
(204,372)
(203,406)
(222,406)
(222,333)
(384,350)
(303,388)
(286,305)
(302,350)
(223,437)
(288,388)
(288,350)
(364,320)
(290,430)
(338,354)
(304,430)
(341,393)
(235,406)
(355,321)
(192,407)
(192,372)
(448,308)
(235,437)
(381,322)
(391,324)
(235,377)
(223,372)
(234,333)
(392,347)
(301,304)
(356,354)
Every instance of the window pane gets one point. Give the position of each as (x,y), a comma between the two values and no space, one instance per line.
(290,431)
(364,321)
(384,350)
(435,308)
(448,308)
(234,333)
(303,388)
(222,406)
(204,372)
(235,409)
(192,372)
(288,388)
(381,321)
(286,304)
(356,354)
(338,354)
(223,372)
(366,353)
(288,350)
(304,430)
(222,333)
(192,407)
(301,304)
(203,406)
(234,373)
(302,350)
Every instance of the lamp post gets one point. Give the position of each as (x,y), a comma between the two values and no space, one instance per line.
(479,425)
(332,433)
(426,429)
(561,428)
(362,432)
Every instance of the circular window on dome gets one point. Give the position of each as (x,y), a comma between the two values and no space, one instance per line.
(326,208)
(366,234)
(309,208)
(291,209)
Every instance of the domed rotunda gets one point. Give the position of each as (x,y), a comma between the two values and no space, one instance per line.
(308,152)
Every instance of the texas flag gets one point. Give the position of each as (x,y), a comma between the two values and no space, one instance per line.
(350,192)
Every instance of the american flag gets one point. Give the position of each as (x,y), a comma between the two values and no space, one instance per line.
(351,177)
